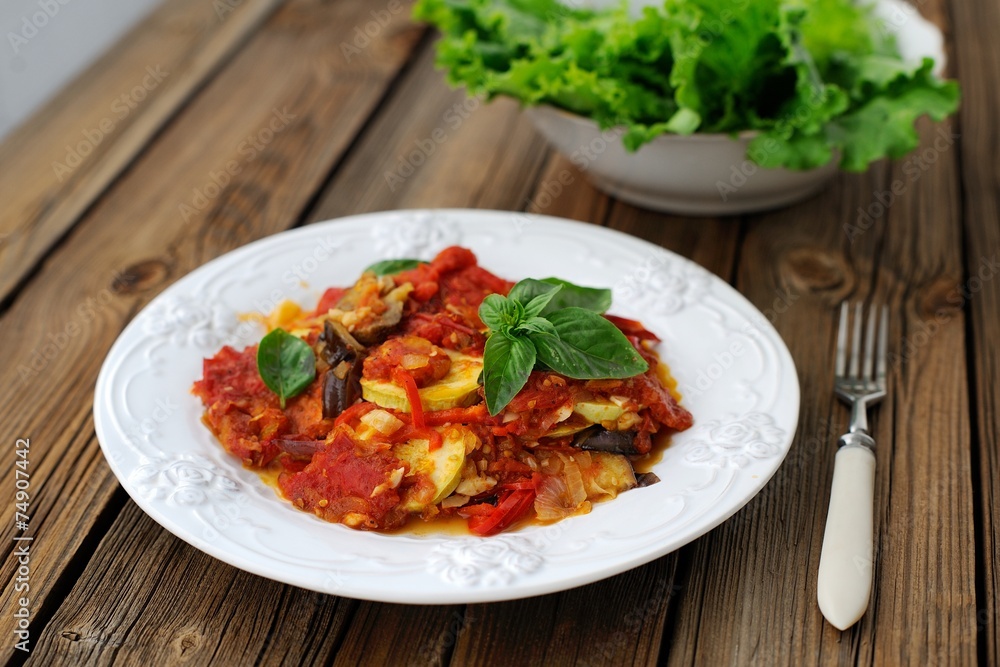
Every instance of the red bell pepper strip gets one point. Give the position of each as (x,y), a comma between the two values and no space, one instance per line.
(412,395)
(356,411)
(511,507)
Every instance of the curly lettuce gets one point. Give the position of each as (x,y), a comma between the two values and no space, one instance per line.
(815,78)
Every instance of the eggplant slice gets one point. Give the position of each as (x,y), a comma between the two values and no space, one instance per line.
(599,439)
(342,354)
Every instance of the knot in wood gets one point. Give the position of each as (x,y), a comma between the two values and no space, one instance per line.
(942,297)
(815,269)
(187,640)
(140,277)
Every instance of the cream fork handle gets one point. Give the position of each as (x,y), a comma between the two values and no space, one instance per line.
(845,564)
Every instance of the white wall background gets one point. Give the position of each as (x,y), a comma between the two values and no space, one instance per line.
(45,43)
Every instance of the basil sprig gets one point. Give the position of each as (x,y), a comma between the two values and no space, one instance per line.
(286,363)
(551,324)
(388,267)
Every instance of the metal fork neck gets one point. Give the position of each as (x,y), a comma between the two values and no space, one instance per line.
(856,439)
(859,416)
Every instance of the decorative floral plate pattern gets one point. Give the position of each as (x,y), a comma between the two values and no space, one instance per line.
(734,372)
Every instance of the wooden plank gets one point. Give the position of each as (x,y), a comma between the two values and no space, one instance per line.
(758,589)
(291,79)
(618,621)
(210,614)
(395,634)
(66,155)
(758,573)
(563,191)
(977,63)
(433,147)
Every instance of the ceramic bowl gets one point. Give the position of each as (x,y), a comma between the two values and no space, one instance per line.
(709,174)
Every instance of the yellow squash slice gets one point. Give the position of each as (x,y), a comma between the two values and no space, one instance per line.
(457,389)
(443,466)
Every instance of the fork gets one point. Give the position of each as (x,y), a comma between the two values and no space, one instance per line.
(845,564)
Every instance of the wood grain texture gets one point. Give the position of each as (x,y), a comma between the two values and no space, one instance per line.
(378,129)
(433,147)
(60,326)
(563,191)
(66,155)
(149,598)
(976,58)
(758,570)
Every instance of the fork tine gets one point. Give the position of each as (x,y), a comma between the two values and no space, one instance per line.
(856,342)
(868,370)
(841,365)
(883,344)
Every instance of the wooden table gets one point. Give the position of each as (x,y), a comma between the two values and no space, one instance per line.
(107,197)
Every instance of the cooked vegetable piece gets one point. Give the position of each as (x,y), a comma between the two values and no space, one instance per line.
(336,344)
(300,449)
(425,362)
(599,439)
(607,476)
(338,349)
(512,506)
(598,410)
(371,308)
(341,388)
(457,389)
(443,465)
(645,479)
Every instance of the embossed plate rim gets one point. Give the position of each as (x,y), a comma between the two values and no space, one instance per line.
(208,500)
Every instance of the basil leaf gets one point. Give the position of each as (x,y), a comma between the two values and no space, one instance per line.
(587,347)
(500,313)
(387,267)
(507,363)
(534,294)
(540,303)
(286,364)
(594,299)
(536,325)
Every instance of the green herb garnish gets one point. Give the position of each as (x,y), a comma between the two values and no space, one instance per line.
(556,325)
(387,267)
(286,364)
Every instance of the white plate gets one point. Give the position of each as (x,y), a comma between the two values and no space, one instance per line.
(737,375)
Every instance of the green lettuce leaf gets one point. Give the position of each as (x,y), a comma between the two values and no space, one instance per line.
(816,78)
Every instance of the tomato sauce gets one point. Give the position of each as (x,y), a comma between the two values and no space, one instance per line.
(325,467)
